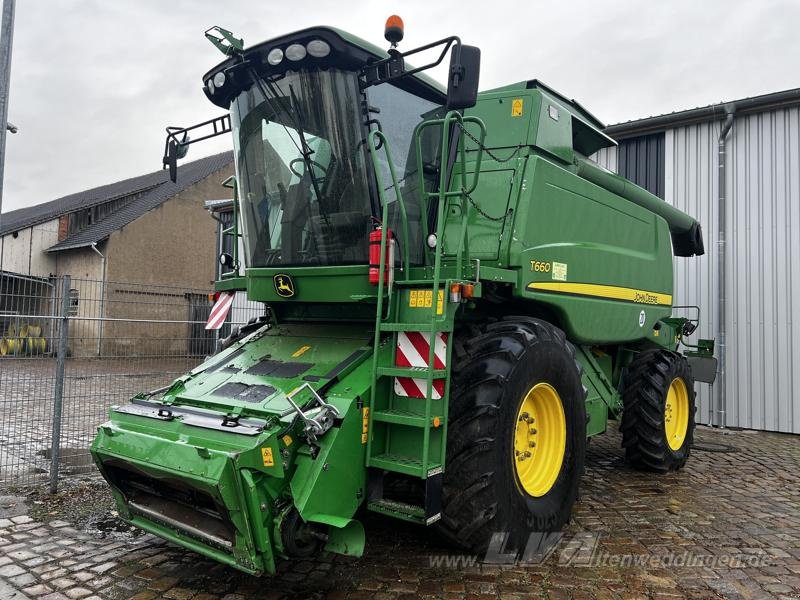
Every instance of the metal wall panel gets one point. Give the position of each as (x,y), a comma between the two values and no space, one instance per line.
(641,159)
(691,185)
(763,266)
(607,157)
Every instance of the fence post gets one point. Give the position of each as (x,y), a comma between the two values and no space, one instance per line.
(58,395)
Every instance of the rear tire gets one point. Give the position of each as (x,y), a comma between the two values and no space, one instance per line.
(497,369)
(658,411)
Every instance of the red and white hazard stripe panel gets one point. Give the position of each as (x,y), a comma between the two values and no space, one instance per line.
(412,351)
(220,310)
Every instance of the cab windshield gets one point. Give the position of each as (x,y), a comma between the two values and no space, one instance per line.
(300,160)
(308,192)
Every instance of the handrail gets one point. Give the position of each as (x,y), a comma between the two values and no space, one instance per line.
(373,150)
(376,140)
(450,119)
(442,195)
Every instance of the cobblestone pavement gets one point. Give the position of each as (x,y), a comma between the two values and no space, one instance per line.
(728,526)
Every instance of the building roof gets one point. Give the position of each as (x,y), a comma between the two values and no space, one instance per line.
(224,205)
(151,190)
(701,114)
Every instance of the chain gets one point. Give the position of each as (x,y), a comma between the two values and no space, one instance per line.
(483,214)
(468,197)
(496,159)
(485,149)
(401,180)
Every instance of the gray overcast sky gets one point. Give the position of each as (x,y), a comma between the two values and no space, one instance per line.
(94,83)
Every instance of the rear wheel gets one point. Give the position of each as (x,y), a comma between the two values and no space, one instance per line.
(516,434)
(658,411)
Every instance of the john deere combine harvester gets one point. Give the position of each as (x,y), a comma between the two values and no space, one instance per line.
(456,300)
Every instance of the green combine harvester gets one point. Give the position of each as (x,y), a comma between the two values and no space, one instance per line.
(456,298)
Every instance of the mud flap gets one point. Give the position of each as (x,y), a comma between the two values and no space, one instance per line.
(704,368)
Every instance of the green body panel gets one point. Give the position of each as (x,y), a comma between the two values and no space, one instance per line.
(337,487)
(313,284)
(602,399)
(523,221)
(602,240)
(207,462)
(497,184)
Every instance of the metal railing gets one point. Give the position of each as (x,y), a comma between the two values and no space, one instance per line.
(71,348)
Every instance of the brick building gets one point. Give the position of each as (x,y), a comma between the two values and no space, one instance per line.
(146,230)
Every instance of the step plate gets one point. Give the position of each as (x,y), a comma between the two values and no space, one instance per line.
(413,349)
(401,510)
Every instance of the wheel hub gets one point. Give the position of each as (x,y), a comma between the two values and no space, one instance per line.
(676,413)
(540,439)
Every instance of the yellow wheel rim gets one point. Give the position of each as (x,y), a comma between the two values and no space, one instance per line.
(676,413)
(540,439)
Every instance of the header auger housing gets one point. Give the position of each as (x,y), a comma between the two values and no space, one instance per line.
(456,298)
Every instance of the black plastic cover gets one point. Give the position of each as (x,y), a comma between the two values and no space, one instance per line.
(688,243)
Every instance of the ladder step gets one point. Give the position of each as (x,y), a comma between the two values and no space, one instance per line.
(402,510)
(403,464)
(403,417)
(421,327)
(417,372)
(425,283)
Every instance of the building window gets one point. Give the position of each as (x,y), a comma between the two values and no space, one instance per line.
(641,159)
(74,300)
(81,219)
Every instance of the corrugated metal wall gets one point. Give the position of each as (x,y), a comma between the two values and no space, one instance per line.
(641,159)
(691,185)
(763,267)
(607,157)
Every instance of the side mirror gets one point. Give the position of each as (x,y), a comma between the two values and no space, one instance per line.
(183,147)
(171,160)
(465,71)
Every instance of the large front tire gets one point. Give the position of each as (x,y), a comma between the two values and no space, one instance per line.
(658,411)
(516,434)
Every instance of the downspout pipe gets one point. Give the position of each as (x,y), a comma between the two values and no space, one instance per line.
(730,113)
(102,298)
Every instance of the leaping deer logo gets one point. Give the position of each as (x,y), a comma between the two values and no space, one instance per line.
(284,286)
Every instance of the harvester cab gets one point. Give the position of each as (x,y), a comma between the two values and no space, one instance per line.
(455,296)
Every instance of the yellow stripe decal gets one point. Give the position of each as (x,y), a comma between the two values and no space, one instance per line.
(610,292)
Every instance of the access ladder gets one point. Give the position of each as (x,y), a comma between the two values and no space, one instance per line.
(407,435)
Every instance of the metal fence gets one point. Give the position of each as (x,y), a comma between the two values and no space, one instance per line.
(71,348)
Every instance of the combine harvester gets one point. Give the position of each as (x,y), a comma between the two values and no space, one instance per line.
(457,299)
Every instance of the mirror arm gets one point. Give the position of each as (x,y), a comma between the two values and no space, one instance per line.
(457,72)
(394,65)
(178,139)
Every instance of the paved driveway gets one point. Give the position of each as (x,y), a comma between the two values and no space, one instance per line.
(727,526)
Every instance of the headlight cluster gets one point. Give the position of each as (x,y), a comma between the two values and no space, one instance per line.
(216,82)
(297,52)
(293,52)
